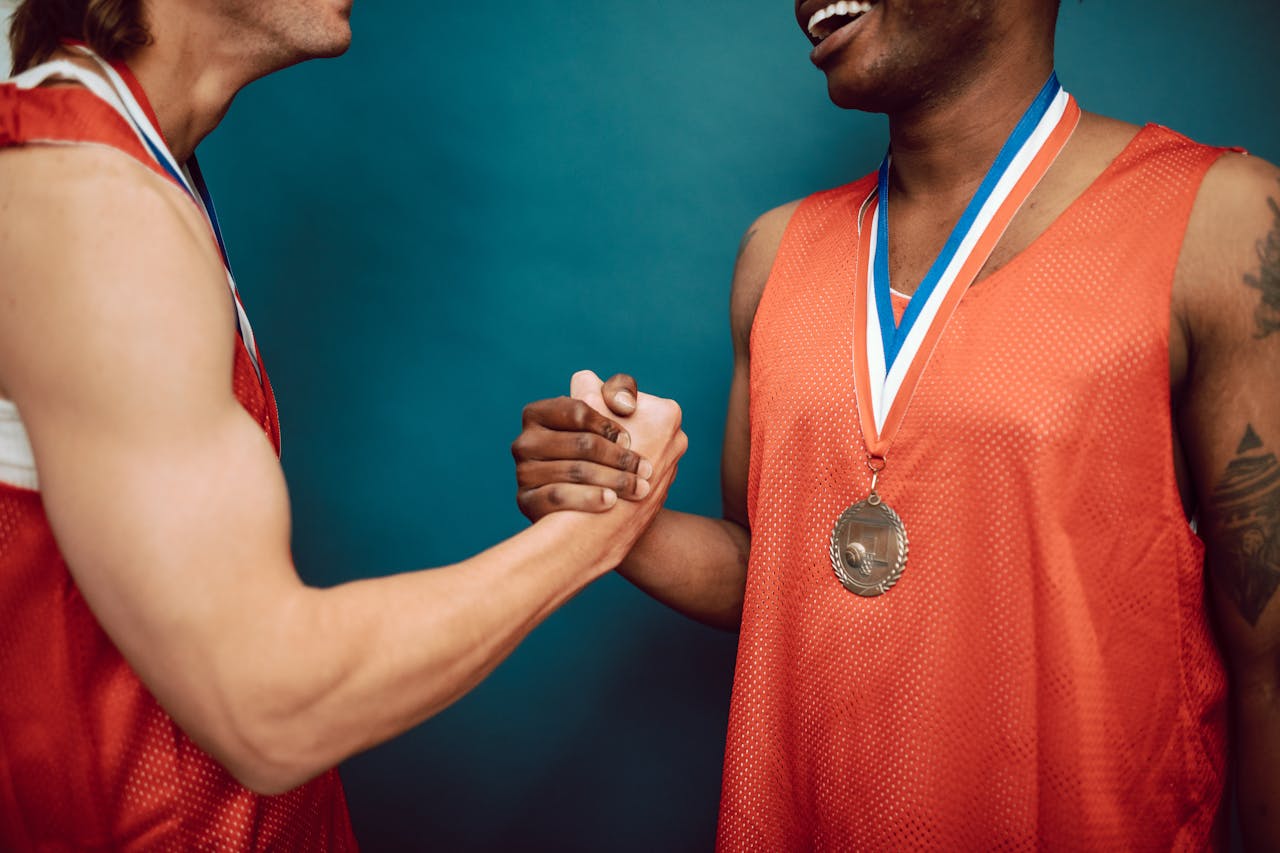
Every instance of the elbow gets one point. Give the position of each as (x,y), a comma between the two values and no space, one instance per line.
(274,728)
(264,778)
(269,755)
(271,732)
(268,781)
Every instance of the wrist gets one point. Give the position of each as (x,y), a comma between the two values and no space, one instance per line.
(596,541)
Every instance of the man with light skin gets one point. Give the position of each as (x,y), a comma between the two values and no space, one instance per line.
(1042,664)
(170,682)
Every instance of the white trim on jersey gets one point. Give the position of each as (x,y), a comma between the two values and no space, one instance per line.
(17,461)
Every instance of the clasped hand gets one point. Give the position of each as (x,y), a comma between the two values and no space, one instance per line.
(603,442)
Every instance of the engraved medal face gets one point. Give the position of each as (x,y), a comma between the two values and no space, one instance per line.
(869,547)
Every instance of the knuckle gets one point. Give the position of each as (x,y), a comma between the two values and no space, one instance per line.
(580,415)
(627,461)
(583,444)
(555,496)
(535,412)
(577,473)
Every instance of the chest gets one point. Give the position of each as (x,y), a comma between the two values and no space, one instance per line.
(1069,337)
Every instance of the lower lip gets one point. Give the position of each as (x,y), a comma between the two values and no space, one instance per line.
(836,41)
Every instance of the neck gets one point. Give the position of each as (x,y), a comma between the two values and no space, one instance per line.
(943,148)
(191,71)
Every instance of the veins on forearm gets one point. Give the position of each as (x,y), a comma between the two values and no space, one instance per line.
(1246,527)
(1267,281)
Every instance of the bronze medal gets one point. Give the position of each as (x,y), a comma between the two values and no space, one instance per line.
(869,547)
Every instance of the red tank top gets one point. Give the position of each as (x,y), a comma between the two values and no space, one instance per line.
(88,758)
(1043,675)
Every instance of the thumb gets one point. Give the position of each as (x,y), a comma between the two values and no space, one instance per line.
(585,384)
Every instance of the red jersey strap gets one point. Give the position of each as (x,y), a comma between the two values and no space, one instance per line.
(67,115)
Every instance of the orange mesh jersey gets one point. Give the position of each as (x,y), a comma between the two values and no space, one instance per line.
(1043,675)
(88,758)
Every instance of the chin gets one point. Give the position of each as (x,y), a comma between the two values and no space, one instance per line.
(329,41)
(858,94)
(338,46)
(885,83)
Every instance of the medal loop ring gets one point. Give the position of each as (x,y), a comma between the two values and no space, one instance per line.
(875,464)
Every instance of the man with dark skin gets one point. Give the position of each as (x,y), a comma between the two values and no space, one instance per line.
(954,78)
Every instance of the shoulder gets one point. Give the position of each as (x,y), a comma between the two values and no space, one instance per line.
(73,178)
(756,254)
(80,202)
(103,261)
(760,243)
(1229,270)
(1239,191)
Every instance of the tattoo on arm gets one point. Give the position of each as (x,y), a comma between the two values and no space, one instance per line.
(1268,278)
(1246,511)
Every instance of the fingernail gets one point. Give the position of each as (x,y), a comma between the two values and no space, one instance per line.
(643,488)
(645,471)
(624,441)
(610,497)
(625,399)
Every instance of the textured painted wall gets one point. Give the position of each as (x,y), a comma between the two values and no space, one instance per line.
(479,199)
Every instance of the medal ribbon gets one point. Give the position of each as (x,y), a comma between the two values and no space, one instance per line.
(117,93)
(889,358)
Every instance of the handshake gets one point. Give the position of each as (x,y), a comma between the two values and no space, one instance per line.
(603,442)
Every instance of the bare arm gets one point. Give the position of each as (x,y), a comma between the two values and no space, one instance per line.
(116,344)
(694,564)
(1228,292)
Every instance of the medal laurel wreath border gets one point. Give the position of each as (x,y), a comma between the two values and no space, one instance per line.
(837,564)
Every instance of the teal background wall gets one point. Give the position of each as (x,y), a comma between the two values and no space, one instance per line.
(476,201)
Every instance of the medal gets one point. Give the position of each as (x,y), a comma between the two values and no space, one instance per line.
(869,545)
(869,541)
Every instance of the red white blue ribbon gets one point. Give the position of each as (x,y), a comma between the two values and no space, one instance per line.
(890,357)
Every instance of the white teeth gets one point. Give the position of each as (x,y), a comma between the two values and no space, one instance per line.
(843,7)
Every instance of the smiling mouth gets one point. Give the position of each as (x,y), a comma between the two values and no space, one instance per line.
(832,17)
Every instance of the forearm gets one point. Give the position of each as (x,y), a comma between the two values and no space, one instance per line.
(355,665)
(1258,762)
(694,564)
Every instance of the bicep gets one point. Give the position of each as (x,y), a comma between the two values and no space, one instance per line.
(754,263)
(1230,421)
(163,494)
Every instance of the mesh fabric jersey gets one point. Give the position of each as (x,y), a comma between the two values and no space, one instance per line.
(1043,675)
(88,758)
